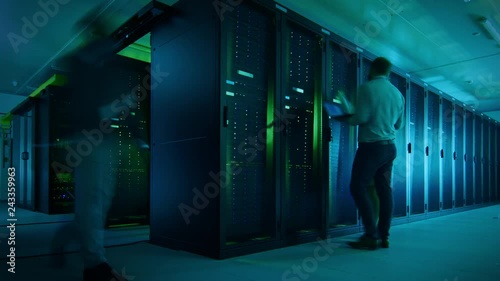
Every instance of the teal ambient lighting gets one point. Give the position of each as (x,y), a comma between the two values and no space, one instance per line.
(230,93)
(230,82)
(298,90)
(115,126)
(244,73)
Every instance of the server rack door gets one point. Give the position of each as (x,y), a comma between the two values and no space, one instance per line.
(469,158)
(302,91)
(496,155)
(485,161)
(400,163)
(446,154)
(497,173)
(493,160)
(478,153)
(458,156)
(342,75)
(417,149)
(432,151)
(250,197)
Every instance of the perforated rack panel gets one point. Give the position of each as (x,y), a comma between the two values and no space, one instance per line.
(399,167)
(250,72)
(417,105)
(447,153)
(478,154)
(342,76)
(303,60)
(433,139)
(469,158)
(459,153)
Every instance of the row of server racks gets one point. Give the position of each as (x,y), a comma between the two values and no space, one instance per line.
(243,158)
(45,156)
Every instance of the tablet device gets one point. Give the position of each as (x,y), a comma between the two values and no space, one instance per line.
(335,109)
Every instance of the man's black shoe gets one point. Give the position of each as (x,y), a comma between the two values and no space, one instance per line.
(102,272)
(364,242)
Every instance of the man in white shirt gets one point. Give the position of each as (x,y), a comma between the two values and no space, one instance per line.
(379,113)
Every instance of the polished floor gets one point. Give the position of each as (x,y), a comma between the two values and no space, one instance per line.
(457,247)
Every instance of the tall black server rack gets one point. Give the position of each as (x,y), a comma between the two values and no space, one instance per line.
(497,169)
(417,149)
(55,182)
(432,147)
(469,158)
(446,154)
(399,170)
(302,98)
(478,154)
(458,156)
(341,75)
(215,131)
(485,161)
(492,161)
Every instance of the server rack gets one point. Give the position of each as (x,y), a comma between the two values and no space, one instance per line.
(417,149)
(342,74)
(432,150)
(497,169)
(469,158)
(485,161)
(478,154)
(446,154)
(55,182)
(302,98)
(216,132)
(399,169)
(459,156)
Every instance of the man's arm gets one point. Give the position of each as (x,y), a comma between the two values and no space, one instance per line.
(401,118)
(361,113)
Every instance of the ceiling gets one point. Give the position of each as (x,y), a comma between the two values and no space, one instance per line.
(440,42)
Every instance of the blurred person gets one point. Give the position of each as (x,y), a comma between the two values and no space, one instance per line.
(379,113)
(90,78)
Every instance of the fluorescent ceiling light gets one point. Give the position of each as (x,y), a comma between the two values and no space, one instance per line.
(491,30)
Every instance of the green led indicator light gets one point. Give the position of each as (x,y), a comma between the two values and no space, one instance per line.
(244,73)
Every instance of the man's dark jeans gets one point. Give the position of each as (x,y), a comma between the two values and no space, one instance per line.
(373,162)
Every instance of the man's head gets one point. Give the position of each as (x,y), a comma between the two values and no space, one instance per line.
(380,67)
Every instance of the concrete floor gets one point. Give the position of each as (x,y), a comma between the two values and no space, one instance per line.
(463,246)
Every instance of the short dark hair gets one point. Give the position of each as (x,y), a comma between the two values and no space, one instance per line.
(380,66)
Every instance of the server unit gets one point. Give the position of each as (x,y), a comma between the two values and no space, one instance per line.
(485,161)
(342,74)
(301,98)
(458,156)
(55,186)
(416,148)
(469,158)
(23,160)
(446,154)
(399,169)
(478,154)
(432,151)
(216,127)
